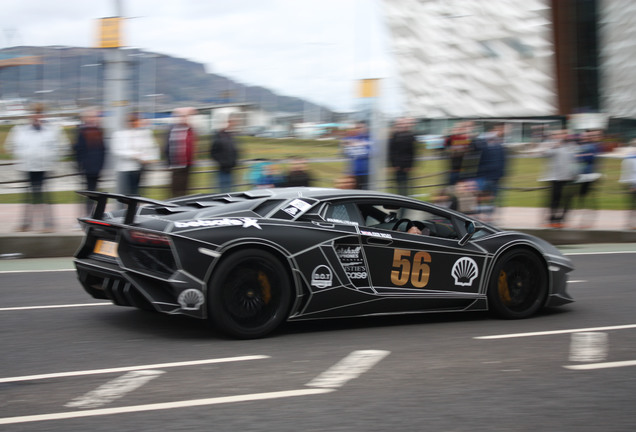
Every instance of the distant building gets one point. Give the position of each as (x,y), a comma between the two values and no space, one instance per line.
(511,58)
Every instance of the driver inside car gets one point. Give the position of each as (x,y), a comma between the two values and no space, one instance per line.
(416,227)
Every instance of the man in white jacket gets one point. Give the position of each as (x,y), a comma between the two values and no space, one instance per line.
(133,148)
(36,147)
(561,171)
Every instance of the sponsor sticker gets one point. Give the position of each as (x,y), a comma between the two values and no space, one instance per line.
(340,221)
(321,277)
(376,234)
(226,222)
(351,259)
(348,253)
(465,271)
(297,206)
(356,272)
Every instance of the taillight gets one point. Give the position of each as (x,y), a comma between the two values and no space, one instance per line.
(149,239)
(96,222)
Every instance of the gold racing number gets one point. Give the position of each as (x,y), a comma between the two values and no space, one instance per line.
(407,268)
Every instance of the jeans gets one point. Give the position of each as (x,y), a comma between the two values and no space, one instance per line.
(225,181)
(560,199)
(128,182)
(402,181)
(35,195)
(180,177)
(91,181)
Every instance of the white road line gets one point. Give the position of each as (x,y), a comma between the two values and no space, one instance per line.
(577,281)
(131,368)
(350,367)
(165,405)
(588,347)
(555,332)
(600,253)
(17,308)
(35,271)
(606,365)
(114,389)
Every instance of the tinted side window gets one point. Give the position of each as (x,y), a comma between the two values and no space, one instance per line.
(343,212)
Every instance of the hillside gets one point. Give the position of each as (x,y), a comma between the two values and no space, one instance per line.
(74,76)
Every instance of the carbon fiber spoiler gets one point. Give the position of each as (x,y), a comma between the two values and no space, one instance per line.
(132,203)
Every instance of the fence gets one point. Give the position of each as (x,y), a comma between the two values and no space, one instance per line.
(158,178)
(416,182)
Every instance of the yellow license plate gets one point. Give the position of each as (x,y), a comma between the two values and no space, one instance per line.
(104,247)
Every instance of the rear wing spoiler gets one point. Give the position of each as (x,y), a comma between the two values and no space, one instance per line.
(132,203)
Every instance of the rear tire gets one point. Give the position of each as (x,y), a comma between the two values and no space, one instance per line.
(518,285)
(249,294)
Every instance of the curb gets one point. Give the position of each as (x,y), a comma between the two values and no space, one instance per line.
(27,245)
(572,236)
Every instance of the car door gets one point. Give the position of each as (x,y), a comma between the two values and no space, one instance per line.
(430,267)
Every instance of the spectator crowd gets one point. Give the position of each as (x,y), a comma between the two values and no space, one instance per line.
(477,162)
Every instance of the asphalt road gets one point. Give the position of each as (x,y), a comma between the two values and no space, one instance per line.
(71,363)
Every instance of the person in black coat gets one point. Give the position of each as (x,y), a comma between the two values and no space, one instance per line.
(90,151)
(402,154)
(298,174)
(225,152)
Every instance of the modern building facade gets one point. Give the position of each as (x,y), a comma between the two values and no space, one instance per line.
(513,58)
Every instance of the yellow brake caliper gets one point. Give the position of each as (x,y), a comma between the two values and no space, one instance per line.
(504,291)
(265,287)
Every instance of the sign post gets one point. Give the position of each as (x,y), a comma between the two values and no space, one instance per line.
(116,74)
(368,94)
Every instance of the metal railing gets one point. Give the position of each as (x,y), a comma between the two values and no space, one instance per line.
(416,182)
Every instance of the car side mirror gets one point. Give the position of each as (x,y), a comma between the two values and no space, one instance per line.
(470,231)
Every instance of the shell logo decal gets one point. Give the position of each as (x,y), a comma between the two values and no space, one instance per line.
(191,299)
(465,271)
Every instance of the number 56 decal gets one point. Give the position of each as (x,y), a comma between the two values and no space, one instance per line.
(410,268)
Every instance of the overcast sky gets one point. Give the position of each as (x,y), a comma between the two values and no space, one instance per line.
(315,49)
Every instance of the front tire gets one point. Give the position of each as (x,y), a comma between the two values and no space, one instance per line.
(249,294)
(518,285)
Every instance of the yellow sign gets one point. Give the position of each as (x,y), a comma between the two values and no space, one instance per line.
(110,33)
(368,88)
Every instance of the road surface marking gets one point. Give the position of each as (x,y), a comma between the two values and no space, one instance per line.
(588,347)
(131,368)
(16,308)
(606,365)
(35,271)
(599,253)
(555,332)
(165,405)
(350,367)
(577,281)
(114,389)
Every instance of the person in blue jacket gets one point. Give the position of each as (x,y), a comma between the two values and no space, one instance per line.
(491,167)
(587,158)
(357,148)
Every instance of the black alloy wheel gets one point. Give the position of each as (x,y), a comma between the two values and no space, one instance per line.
(518,285)
(249,294)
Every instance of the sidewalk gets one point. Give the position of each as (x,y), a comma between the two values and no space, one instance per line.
(604,226)
(65,219)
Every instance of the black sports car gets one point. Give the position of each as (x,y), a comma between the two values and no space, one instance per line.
(250,260)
